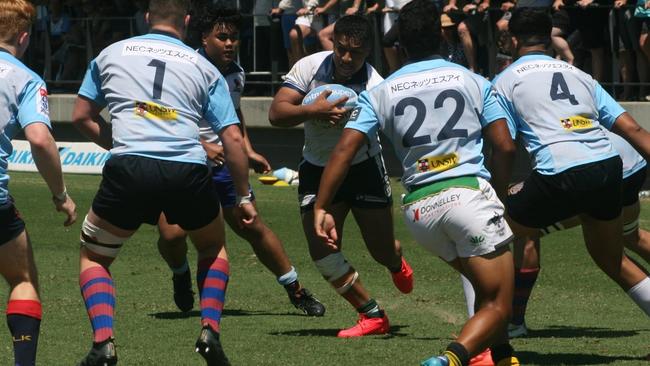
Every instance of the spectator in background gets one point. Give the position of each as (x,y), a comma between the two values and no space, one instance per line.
(630,56)
(468,15)
(389,40)
(642,23)
(286,11)
(344,6)
(450,47)
(562,28)
(591,19)
(310,21)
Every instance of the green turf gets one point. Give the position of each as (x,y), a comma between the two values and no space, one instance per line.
(577,315)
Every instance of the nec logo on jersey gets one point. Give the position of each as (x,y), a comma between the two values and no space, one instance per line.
(437,163)
(576,123)
(151,109)
(42,106)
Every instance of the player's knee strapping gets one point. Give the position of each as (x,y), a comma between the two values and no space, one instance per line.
(630,227)
(100,241)
(552,228)
(334,267)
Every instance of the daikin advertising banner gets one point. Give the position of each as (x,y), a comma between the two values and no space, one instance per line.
(76,157)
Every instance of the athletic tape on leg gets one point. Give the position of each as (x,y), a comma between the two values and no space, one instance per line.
(100,241)
(348,284)
(333,267)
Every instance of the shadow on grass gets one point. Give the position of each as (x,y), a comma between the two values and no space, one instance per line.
(394,332)
(228,312)
(562,331)
(534,358)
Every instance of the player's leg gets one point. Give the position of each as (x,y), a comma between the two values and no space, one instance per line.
(376,225)
(331,263)
(19,270)
(269,250)
(636,239)
(212,275)
(101,242)
(604,243)
(367,189)
(468,44)
(172,247)
(464,225)
(526,254)
(334,267)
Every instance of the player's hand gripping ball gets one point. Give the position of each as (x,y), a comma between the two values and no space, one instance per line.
(338,92)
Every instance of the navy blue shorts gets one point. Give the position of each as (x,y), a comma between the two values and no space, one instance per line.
(631,187)
(11,224)
(136,190)
(225,187)
(593,189)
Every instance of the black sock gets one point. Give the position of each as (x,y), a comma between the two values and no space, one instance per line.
(24,331)
(293,287)
(459,351)
(371,309)
(501,351)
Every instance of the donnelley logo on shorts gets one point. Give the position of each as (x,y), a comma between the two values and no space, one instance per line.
(437,163)
(576,123)
(151,109)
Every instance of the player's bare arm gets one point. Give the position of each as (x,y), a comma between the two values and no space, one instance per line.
(637,136)
(237,162)
(258,162)
(503,155)
(286,109)
(48,163)
(87,119)
(335,171)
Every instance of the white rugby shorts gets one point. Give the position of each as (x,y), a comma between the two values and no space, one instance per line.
(459,222)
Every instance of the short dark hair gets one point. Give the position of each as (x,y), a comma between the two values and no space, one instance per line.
(356,27)
(531,26)
(419,29)
(206,16)
(168,11)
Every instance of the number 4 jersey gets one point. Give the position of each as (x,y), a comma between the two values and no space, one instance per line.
(557,110)
(157,90)
(433,111)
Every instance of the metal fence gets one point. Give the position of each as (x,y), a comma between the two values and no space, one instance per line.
(62,59)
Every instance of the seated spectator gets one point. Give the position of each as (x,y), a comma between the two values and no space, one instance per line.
(469,16)
(450,47)
(642,23)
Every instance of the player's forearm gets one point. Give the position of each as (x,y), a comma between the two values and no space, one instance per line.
(98,132)
(285,114)
(236,158)
(503,156)
(47,160)
(248,148)
(637,136)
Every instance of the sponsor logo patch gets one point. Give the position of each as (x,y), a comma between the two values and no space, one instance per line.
(42,105)
(151,109)
(576,123)
(437,163)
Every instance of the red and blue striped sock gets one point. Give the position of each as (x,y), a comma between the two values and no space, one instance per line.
(99,296)
(524,281)
(24,321)
(212,279)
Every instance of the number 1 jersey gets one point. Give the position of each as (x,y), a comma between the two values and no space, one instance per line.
(433,111)
(157,90)
(557,110)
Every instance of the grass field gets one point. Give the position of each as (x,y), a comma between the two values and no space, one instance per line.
(577,315)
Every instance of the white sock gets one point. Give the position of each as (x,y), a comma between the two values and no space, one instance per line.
(470,295)
(640,293)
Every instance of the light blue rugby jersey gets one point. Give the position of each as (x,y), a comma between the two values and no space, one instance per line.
(632,160)
(23,96)
(433,111)
(558,110)
(157,89)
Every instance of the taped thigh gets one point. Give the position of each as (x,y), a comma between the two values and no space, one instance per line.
(100,241)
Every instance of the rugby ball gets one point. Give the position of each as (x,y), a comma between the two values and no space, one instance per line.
(338,92)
